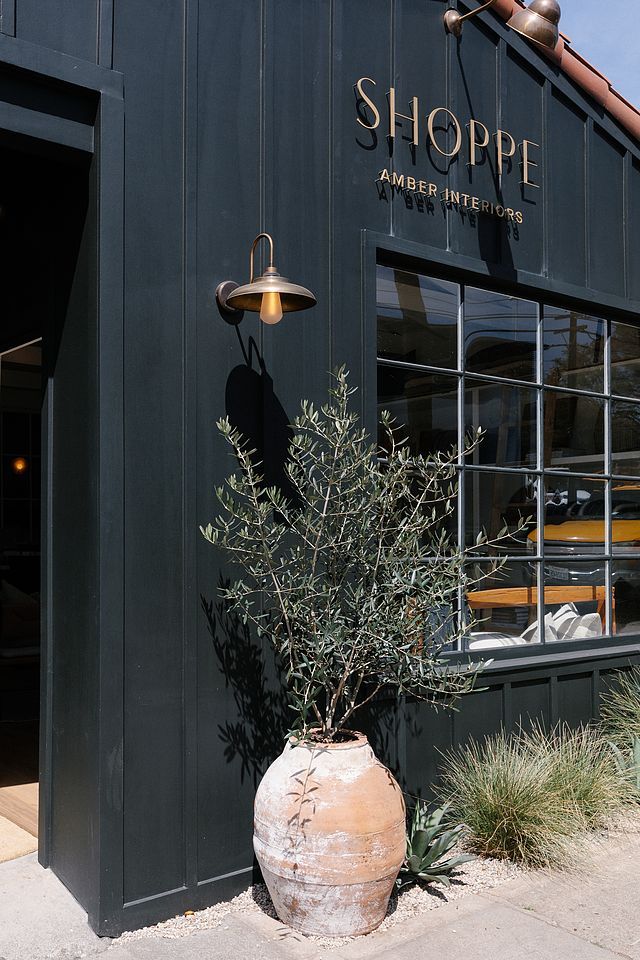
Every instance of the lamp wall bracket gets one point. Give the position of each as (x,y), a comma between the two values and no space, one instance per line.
(453,20)
(230,314)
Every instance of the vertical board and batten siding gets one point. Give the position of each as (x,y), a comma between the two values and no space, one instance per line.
(154,570)
(240,117)
(228,189)
(66,26)
(522,112)
(71,416)
(414,74)
(478,237)
(566,255)
(632,167)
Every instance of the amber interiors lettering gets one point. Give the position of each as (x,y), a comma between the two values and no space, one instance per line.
(403,183)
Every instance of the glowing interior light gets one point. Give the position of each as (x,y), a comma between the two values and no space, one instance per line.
(271,308)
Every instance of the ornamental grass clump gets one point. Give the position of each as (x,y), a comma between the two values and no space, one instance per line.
(621,724)
(350,575)
(500,791)
(620,710)
(531,797)
(583,771)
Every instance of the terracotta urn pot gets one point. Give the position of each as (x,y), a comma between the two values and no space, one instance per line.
(329,835)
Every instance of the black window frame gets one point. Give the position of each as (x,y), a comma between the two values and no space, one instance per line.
(444,265)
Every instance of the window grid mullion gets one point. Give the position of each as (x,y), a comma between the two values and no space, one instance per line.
(462,607)
(540,566)
(608,466)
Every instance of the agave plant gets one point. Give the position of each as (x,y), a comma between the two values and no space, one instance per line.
(428,842)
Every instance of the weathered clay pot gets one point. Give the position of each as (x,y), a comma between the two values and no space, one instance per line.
(329,835)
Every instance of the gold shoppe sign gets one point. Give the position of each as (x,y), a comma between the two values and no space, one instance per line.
(469,143)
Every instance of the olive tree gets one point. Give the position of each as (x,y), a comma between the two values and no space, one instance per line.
(352,575)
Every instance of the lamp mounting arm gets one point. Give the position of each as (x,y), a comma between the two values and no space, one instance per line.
(453,20)
(264,236)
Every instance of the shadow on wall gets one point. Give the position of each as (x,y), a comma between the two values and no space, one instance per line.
(254,409)
(249,665)
(251,671)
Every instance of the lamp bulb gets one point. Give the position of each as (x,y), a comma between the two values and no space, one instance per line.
(19,465)
(271,308)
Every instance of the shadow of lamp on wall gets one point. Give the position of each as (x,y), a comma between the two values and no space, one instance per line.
(270,295)
(537,22)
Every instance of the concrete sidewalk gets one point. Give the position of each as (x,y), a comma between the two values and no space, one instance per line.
(537,917)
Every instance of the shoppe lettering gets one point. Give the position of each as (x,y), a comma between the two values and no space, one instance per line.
(469,141)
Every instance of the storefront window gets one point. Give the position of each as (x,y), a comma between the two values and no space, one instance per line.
(555,483)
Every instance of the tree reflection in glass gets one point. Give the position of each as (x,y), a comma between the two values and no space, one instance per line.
(573,350)
(417,318)
(625,437)
(625,359)
(500,335)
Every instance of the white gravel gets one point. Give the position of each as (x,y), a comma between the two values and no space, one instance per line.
(477,875)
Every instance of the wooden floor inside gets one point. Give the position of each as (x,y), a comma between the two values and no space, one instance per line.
(19,774)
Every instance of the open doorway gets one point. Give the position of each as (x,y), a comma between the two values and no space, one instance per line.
(45,337)
(20,483)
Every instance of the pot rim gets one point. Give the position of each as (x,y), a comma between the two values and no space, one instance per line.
(357,740)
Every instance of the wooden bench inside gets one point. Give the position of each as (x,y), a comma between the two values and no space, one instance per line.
(528,597)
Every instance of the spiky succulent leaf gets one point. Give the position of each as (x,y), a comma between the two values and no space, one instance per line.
(435,878)
(421,841)
(429,840)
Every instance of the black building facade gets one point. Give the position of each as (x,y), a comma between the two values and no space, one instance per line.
(464,212)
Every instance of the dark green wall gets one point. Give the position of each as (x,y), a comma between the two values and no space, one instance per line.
(239,117)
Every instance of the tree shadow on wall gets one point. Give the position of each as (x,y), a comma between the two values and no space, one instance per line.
(250,666)
(251,671)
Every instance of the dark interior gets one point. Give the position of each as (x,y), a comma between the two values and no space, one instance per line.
(41,204)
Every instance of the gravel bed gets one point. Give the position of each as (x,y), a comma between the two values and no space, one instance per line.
(477,875)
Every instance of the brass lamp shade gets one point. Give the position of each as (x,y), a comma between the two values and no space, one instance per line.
(269,295)
(292,296)
(539,22)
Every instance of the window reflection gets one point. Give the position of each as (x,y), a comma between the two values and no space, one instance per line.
(497,502)
(574,510)
(573,350)
(625,519)
(575,595)
(424,406)
(625,359)
(625,437)
(507,414)
(499,335)
(625,579)
(504,604)
(574,432)
(417,318)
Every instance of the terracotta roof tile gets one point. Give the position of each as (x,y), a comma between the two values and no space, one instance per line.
(584,74)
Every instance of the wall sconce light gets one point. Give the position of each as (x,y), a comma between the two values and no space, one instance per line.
(538,22)
(19,465)
(269,295)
